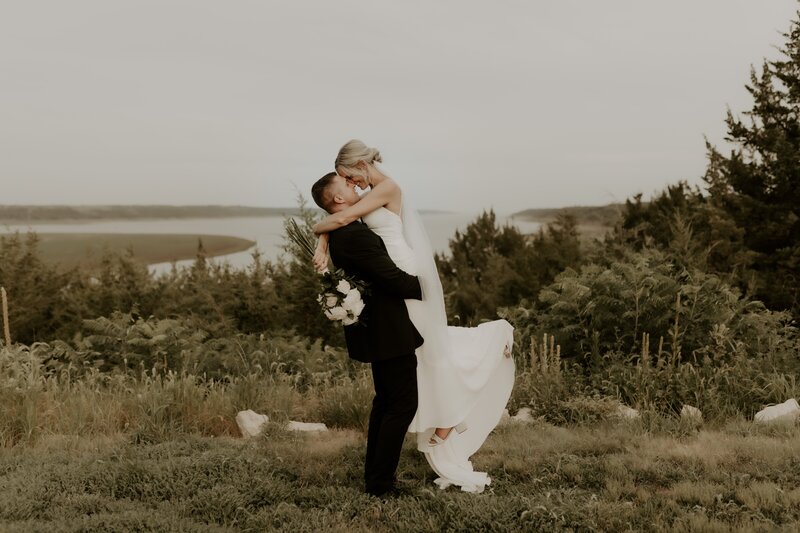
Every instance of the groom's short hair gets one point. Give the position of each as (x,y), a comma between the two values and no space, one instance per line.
(320,193)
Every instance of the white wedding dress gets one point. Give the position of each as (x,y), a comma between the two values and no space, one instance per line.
(463,374)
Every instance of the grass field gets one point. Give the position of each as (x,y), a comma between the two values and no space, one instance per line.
(624,476)
(72,249)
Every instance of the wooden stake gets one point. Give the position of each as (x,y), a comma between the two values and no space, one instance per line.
(6,329)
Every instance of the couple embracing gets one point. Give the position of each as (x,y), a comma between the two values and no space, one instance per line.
(447,385)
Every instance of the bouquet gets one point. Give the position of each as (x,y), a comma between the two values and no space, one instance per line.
(340,295)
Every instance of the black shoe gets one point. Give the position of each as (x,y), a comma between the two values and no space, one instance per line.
(393,492)
(400,491)
(379,492)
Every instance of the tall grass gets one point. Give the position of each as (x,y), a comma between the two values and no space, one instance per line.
(723,380)
(37,400)
(40,397)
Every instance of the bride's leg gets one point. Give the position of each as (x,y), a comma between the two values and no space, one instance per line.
(441,434)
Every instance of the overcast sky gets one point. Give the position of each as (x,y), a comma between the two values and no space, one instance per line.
(474,104)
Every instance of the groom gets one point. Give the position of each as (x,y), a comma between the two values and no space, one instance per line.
(384,335)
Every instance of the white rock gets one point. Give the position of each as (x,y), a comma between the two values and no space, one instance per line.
(250,423)
(691,413)
(306,426)
(623,411)
(785,411)
(523,415)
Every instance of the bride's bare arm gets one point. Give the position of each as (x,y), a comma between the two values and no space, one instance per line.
(379,196)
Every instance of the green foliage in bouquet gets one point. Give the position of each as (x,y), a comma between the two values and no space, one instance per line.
(340,296)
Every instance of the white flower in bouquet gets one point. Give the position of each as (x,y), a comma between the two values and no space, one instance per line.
(352,297)
(343,286)
(357,308)
(331,300)
(338,313)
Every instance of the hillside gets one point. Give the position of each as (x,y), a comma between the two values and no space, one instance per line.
(600,215)
(593,221)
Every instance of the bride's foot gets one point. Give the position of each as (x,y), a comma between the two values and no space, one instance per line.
(440,434)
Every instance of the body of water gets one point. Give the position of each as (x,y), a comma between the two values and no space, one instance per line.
(267,232)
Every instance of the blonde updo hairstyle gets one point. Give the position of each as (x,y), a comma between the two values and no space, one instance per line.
(352,153)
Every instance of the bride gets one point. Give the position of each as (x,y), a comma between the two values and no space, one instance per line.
(464,375)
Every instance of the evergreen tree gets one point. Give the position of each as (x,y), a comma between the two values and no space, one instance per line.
(758,183)
(491,266)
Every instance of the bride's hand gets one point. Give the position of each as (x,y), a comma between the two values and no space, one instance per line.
(320,258)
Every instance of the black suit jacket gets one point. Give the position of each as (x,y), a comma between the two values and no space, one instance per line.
(384,329)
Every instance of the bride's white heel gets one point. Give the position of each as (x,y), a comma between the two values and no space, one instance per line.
(436,439)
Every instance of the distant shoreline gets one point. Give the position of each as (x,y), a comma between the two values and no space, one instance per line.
(76,214)
(593,222)
(603,215)
(26,214)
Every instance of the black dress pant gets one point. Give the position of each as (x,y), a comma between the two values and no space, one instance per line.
(393,409)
